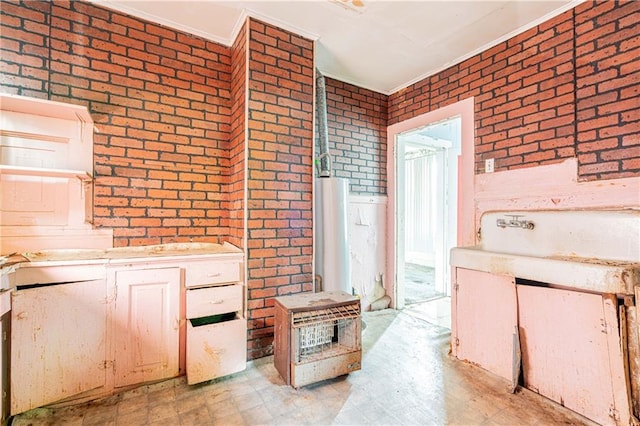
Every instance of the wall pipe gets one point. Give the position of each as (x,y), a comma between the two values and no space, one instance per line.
(323,162)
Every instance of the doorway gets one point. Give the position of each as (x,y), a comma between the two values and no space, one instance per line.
(450,219)
(426,205)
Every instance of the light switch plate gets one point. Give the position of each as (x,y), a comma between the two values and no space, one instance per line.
(488,165)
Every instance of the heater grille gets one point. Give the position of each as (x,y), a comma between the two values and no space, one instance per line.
(301,319)
(324,332)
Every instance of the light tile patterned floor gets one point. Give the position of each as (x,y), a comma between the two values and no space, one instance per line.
(419,283)
(408,378)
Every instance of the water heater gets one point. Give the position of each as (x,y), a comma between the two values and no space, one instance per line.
(333,261)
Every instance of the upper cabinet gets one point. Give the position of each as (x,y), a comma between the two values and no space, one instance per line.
(40,134)
(46,176)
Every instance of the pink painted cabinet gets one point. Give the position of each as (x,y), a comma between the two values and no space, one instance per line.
(569,341)
(58,342)
(571,351)
(484,320)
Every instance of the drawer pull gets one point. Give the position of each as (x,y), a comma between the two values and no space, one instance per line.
(217,274)
(217,302)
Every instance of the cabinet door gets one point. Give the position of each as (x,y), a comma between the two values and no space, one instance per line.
(146,325)
(485,310)
(58,342)
(569,355)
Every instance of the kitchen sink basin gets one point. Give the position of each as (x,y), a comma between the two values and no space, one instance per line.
(596,250)
(588,274)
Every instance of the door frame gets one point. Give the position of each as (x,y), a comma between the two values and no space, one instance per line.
(466,177)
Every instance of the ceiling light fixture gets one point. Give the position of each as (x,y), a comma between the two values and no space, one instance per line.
(355,5)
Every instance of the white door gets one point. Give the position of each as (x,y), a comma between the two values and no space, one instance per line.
(146,326)
(58,342)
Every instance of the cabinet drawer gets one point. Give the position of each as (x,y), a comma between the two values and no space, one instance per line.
(202,302)
(207,273)
(215,350)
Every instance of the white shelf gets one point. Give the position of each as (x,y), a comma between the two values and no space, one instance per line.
(41,172)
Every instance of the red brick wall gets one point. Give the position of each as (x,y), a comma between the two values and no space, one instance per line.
(279,174)
(238,138)
(160,100)
(524,97)
(529,90)
(174,129)
(608,89)
(24,50)
(357,122)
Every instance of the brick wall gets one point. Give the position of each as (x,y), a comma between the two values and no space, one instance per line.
(524,97)
(279,174)
(357,124)
(608,89)
(237,195)
(160,100)
(565,88)
(24,51)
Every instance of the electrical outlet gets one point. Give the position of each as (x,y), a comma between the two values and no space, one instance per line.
(488,165)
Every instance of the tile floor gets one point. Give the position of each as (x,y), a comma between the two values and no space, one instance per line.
(407,378)
(435,311)
(419,283)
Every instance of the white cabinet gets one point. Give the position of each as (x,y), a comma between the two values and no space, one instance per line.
(146,325)
(84,329)
(58,342)
(484,320)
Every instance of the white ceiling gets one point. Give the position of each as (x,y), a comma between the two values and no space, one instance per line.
(383,46)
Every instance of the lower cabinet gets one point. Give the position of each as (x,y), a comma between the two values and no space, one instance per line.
(80,338)
(146,325)
(485,320)
(571,351)
(58,342)
(568,344)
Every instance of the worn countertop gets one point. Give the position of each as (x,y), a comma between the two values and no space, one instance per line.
(70,256)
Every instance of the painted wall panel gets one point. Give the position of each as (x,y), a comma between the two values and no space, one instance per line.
(368,245)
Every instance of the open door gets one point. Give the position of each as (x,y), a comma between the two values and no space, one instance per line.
(426,206)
